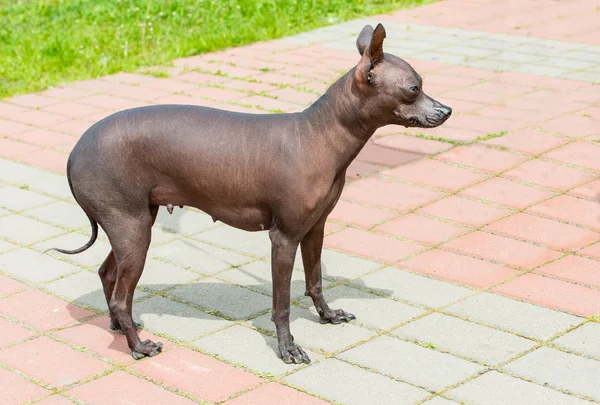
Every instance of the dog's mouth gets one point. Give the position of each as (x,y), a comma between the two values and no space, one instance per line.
(429,121)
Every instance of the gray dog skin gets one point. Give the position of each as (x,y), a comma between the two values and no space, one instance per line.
(278,172)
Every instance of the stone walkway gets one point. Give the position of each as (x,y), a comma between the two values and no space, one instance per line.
(469,253)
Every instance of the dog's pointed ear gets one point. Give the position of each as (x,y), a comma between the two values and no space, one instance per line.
(376,45)
(364,39)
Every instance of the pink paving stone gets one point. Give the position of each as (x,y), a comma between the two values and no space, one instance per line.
(481,157)
(496,87)
(330,228)
(267,103)
(139,93)
(591,251)
(584,154)
(389,194)
(10,148)
(46,159)
(194,373)
(475,96)
(413,144)
(458,268)
(504,250)
(201,78)
(549,174)
(508,113)
(169,85)
(241,85)
(572,125)
(280,79)
(573,268)
(6,109)
(11,127)
(53,363)
(436,174)
(128,389)
(554,234)
(55,400)
(450,133)
(15,390)
(12,333)
(10,286)
(358,169)
(32,100)
(570,209)
(215,93)
(73,109)
(591,191)
(73,127)
(50,312)
(66,93)
(44,137)
(295,96)
(381,155)
(355,214)
(484,124)
(505,192)
(371,245)
(421,229)
(97,337)
(552,293)
(128,78)
(463,210)
(111,102)
(271,392)
(38,118)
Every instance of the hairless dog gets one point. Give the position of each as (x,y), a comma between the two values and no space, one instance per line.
(278,172)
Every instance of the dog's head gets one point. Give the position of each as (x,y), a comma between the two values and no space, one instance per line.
(390,85)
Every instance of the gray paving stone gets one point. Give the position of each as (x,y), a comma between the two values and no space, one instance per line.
(560,370)
(487,43)
(541,70)
(161,315)
(161,236)
(198,256)
(18,199)
(29,265)
(184,221)
(467,339)
(498,65)
(450,59)
(340,266)
(93,257)
(25,231)
(516,57)
(84,288)
(494,388)
(585,340)
(469,51)
(255,244)
(515,316)
(37,179)
(371,310)
(257,276)
(586,76)
(309,332)
(248,347)
(440,401)
(411,287)
(412,363)
(230,300)
(348,385)
(5,246)
(4,212)
(62,214)
(583,55)
(159,275)
(570,64)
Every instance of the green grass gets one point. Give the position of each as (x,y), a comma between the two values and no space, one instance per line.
(48,42)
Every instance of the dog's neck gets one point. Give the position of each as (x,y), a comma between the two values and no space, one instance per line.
(345,121)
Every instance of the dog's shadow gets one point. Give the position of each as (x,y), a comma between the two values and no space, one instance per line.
(224,298)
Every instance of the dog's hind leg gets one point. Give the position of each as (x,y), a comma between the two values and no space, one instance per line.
(312,246)
(129,235)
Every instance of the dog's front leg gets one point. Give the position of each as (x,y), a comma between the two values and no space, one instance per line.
(283,253)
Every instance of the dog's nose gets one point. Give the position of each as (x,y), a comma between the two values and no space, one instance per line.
(444,110)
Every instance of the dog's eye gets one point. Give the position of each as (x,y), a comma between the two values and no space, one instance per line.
(414,89)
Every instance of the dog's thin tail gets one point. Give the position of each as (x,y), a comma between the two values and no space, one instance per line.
(92,222)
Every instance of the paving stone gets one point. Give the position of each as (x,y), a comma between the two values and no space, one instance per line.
(25,231)
(36,179)
(403,285)
(84,288)
(340,266)
(5,246)
(309,332)
(29,265)
(440,401)
(62,214)
(284,394)
(17,390)
(250,348)
(560,370)
(467,339)
(515,316)
(198,256)
(92,257)
(409,362)
(494,388)
(371,310)
(343,383)
(159,275)
(257,276)
(583,340)
(183,221)
(18,199)
(161,315)
(255,244)
(230,300)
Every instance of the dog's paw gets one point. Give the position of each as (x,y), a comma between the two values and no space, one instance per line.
(293,354)
(336,316)
(147,348)
(115,327)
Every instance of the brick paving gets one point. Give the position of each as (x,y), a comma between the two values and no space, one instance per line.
(469,253)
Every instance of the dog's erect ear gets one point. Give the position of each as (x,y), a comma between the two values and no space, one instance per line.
(364,39)
(376,46)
